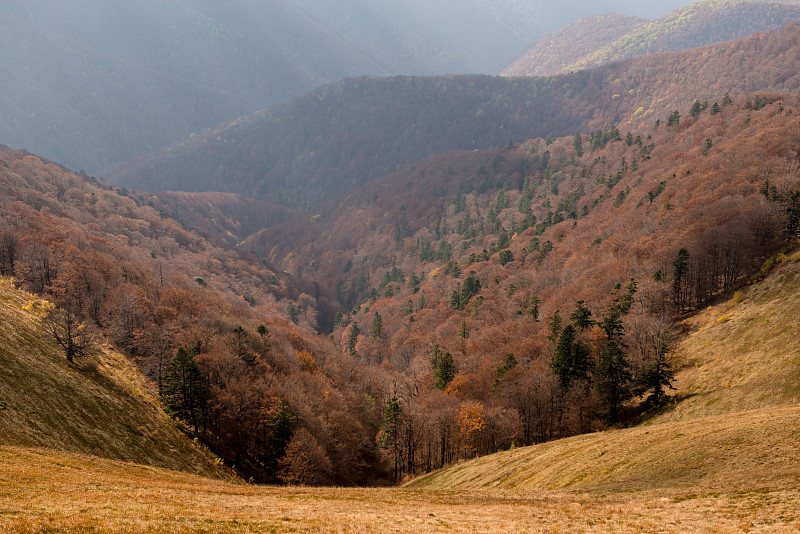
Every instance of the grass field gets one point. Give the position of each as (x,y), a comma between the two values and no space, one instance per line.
(46,491)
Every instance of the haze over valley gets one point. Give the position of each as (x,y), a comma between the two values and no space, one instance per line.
(394,266)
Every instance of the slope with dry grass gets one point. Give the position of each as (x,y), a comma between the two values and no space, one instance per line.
(734,424)
(100,405)
(46,491)
(743,353)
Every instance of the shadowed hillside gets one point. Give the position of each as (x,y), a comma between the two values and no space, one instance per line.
(90,83)
(341,136)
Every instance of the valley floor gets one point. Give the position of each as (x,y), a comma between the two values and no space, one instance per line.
(47,491)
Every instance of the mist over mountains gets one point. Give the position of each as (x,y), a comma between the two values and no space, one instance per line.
(92,82)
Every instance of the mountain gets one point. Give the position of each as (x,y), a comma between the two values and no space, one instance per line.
(177,304)
(555,53)
(451,37)
(698,24)
(325,143)
(708,473)
(101,406)
(222,216)
(91,83)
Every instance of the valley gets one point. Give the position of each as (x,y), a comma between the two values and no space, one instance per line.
(383,299)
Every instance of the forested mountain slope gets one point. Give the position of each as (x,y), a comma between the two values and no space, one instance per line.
(596,41)
(733,422)
(264,383)
(490,266)
(554,53)
(99,405)
(341,136)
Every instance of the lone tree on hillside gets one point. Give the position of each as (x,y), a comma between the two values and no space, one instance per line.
(68,331)
(185,389)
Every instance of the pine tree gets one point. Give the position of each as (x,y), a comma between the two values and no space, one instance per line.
(185,389)
(280,425)
(444,368)
(655,376)
(389,435)
(352,338)
(376,330)
(613,376)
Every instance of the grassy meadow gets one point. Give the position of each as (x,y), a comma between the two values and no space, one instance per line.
(46,491)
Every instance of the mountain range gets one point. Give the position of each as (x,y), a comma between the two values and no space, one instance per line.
(90,83)
(583,282)
(596,40)
(341,136)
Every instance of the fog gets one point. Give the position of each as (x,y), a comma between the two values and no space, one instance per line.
(91,82)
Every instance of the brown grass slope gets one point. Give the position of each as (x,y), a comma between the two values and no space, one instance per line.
(739,428)
(743,353)
(100,405)
(47,491)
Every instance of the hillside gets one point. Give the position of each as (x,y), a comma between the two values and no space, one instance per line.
(323,144)
(97,83)
(699,24)
(554,53)
(733,422)
(99,406)
(264,383)
(742,354)
(507,240)
(720,474)
(222,216)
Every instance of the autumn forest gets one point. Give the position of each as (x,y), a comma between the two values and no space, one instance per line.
(386,276)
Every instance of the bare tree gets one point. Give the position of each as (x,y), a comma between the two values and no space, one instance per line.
(69,332)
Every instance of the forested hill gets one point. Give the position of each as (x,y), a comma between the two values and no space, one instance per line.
(331,140)
(596,41)
(554,53)
(147,286)
(510,246)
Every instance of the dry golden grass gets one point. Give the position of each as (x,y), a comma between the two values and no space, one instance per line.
(744,353)
(46,491)
(734,451)
(99,405)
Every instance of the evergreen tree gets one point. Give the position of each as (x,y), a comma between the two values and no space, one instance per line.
(185,389)
(444,368)
(655,376)
(352,338)
(613,376)
(389,435)
(578,144)
(376,329)
(280,425)
(792,213)
(582,316)
(533,308)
